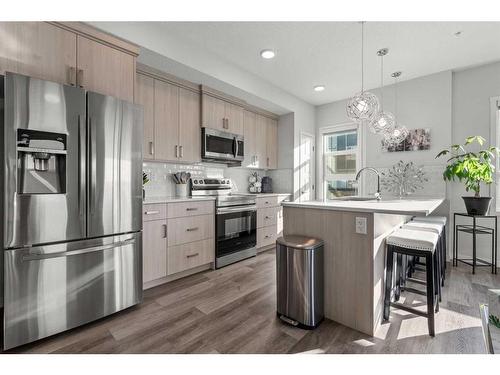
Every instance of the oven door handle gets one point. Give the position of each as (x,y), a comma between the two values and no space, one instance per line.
(224,210)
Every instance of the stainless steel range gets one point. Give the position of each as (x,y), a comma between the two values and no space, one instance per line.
(236,220)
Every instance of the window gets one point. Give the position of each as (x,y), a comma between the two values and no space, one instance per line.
(340,163)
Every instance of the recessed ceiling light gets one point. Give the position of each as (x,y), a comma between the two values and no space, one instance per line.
(458,33)
(319,88)
(267,53)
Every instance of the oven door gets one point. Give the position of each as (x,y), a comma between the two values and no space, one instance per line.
(219,145)
(236,229)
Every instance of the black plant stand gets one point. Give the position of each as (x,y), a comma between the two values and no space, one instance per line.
(476,229)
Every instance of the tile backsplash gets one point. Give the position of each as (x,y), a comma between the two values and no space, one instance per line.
(162,185)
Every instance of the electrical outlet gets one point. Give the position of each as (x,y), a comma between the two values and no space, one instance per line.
(361,225)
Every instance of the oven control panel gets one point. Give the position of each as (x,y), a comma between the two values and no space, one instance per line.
(210,183)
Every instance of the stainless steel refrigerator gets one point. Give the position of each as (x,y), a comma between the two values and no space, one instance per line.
(72,207)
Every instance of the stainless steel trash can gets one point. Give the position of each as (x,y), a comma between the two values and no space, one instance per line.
(299,279)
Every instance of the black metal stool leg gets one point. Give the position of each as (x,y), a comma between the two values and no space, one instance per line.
(399,276)
(388,282)
(429,260)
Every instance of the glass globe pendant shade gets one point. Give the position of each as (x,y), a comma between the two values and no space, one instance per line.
(362,107)
(383,123)
(398,135)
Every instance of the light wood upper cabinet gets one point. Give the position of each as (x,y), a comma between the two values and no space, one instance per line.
(38,49)
(261,141)
(189,126)
(272,144)
(213,112)
(221,115)
(105,70)
(144,95)
(249,134)
(166,120)
(234,118)
(154,244)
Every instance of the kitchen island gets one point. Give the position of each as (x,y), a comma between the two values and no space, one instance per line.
(354,233)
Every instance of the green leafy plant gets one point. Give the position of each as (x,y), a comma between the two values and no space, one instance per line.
(494,320)
(145,178)
(470,167)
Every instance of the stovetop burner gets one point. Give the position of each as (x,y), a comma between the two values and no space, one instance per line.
(222,189)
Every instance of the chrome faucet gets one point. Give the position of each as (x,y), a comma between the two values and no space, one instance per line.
(377,194)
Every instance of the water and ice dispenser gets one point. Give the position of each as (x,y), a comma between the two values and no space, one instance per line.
(41,162)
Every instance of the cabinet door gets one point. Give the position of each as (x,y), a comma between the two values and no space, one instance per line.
(144,95)
(154,250)
(213,112)
(234,116)
(166,120)
(105,70)
(189,126)
(261,141)
(272,144)
(249,133)
(39,50)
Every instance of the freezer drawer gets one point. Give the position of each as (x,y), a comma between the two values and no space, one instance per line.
(49,289)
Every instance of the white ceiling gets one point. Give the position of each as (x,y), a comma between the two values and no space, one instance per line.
(328,53)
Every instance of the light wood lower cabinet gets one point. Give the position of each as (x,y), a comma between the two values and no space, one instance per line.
(154,250)
(266,236)
(190,255)
(189,229)
(178,238)
(269,220)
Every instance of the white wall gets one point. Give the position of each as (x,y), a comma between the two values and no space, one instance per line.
(472,90)
(422,103)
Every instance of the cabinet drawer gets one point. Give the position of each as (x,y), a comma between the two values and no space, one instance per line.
(263,202)
(266,236)
(182,209)
(154,212)
(189,229)
(190,255)
(269,216)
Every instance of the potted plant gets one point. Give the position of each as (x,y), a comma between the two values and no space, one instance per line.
(145,180)
(473,168)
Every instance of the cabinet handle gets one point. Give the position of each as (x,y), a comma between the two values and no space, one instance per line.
(227,123)
(164,230)
(176,151)
(192,255)
(267,202)
(267,217)
(72,76)
(180,152)
(79,78)
(151,212)
(151,148)
(268,161)
(267,236)
(192,209)
(191,229)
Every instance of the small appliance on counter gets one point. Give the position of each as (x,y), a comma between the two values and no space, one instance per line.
(267,184)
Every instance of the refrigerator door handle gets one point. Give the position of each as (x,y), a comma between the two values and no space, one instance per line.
(93,166)
(81,166)
(92,249)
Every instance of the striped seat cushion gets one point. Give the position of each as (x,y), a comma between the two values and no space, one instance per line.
(431,219)
(422,225)
(413,239)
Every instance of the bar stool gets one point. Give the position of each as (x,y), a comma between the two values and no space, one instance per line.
(437,220)
(437,228)
(413,243)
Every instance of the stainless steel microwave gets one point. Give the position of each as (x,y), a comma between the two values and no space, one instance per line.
(221,147)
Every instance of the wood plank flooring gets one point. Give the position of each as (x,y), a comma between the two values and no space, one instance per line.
(232,310)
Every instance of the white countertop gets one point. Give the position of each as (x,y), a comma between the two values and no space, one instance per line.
(155,200)
(416,207)
(265,194)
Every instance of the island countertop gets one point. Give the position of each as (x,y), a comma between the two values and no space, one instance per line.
(411,206)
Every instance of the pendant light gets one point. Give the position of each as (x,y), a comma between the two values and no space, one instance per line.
(364,105)
(383,122)
(400,132)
